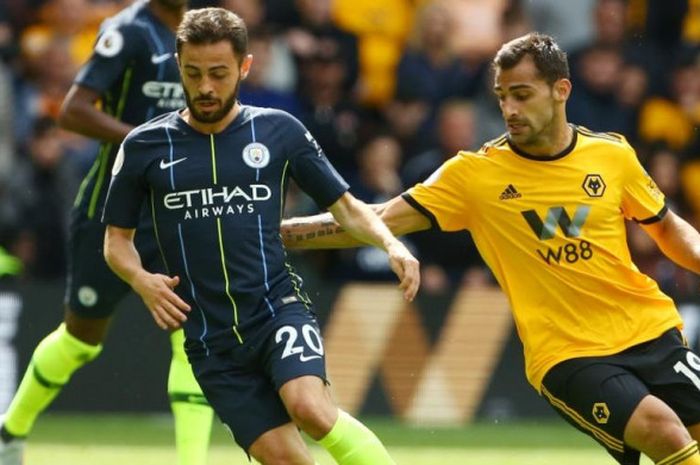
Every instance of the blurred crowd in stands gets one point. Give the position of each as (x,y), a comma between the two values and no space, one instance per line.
(390,89)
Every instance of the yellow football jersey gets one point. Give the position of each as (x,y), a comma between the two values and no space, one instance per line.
(553,233)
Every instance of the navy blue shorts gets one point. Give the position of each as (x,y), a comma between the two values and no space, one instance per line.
(242,384)
(598,395)
(92,289)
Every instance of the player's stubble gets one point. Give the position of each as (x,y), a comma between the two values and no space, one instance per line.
(214,116)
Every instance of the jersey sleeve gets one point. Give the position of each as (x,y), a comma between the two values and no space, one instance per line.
(127,190)
(642,200)
(311,169)
(115,48)
(443,196)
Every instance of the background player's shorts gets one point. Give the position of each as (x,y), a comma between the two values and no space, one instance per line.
(598,395)
(92,289)
(242,384)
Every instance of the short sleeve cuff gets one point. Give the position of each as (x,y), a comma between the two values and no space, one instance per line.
(414,203)
(658,217)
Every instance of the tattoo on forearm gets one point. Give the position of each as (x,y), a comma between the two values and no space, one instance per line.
(328,230)
(325,228)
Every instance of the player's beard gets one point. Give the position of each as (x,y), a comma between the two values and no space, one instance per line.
(214,116)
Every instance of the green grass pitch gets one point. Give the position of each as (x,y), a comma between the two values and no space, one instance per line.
(147,440)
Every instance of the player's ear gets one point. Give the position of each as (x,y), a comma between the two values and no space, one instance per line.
(245,65)
(177,59)
(562,90)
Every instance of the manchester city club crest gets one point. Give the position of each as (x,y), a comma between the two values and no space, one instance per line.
(256,155)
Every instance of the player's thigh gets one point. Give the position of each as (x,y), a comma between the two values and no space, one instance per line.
(240,392)
(294,346)
(672,372)
(598,399)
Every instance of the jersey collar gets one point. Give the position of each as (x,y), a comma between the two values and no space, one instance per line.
(559,155)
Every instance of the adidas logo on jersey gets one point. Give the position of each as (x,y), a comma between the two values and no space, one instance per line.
(510,192)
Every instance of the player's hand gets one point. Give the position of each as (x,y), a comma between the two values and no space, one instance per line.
(168,310)
(406,267)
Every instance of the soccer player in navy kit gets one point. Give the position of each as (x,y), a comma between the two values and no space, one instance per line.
(133,74)
(214,177)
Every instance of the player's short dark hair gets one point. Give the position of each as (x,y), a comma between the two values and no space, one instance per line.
(550,60)
(211,25)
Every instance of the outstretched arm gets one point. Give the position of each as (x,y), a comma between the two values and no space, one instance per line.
(156,290)
(352,223)
(677,239)
(323,231)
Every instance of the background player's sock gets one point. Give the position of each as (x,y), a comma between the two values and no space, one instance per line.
(687,456)
(193,415)
(54,360)
(352,443)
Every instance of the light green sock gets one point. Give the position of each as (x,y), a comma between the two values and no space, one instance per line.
(352,443)
(193,415)
(55,359)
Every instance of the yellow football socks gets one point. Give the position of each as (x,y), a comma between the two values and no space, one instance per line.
(193,415)
(55,359)
(352,443)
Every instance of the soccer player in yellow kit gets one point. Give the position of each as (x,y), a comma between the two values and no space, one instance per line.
(546,204)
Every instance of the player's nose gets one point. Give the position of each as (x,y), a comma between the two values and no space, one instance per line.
(509,108)
(205,87)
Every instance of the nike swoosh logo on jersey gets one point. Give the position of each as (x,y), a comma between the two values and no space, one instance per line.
(305,358)
(158,59)
(164,165)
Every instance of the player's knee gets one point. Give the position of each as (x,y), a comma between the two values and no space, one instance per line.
(655,429)
(312,413)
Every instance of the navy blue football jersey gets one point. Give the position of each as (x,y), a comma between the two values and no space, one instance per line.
(216,202)
(134,70)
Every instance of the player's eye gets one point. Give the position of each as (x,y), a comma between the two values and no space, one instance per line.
(521,97)
(193,75)
(219,75)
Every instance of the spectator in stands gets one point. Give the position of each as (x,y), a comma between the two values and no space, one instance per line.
(408,116)
(255,89)
(570,22)
(447,259)
(280,73)
(328,112)
(672,119)
(478,28)
(376,181)
(317,34)
(595,103)
(43,189)
(430,66)
(456,130)
(46,81)
(378,177)
(73,22)
(382,28)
